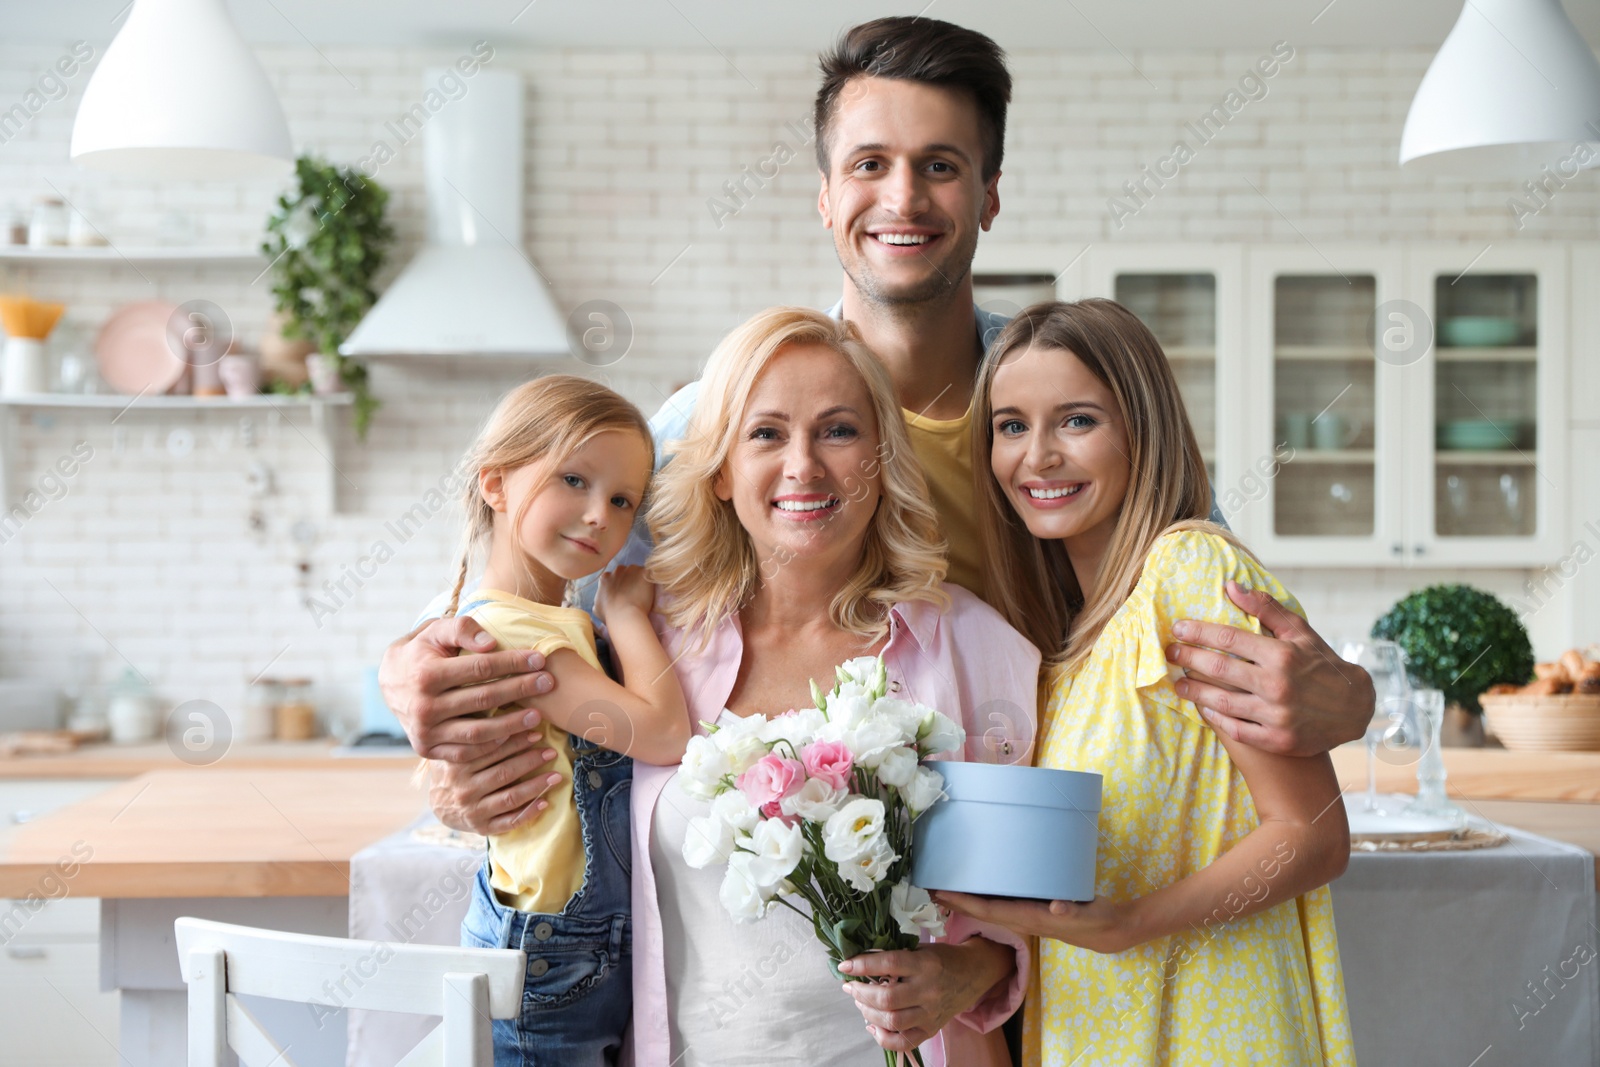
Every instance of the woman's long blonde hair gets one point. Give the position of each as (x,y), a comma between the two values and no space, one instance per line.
(1031,582)
(704,557)
(543,421)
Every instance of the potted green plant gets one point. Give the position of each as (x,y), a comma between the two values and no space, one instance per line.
(1460,640)
(327,239)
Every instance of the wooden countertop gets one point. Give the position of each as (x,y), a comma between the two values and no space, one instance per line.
(237,831)
(215,833)
(1485,774)
(129,761)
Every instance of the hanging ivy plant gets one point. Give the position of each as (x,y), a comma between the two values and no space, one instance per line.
(327,239)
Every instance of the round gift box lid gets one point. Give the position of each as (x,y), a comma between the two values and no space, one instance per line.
(1003,783)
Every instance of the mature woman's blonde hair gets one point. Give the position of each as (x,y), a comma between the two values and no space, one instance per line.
(543,421)
(1030,581)
(704,557)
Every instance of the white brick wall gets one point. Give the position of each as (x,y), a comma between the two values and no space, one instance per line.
(148,556)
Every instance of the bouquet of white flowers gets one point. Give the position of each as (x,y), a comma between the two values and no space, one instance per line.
(818,805)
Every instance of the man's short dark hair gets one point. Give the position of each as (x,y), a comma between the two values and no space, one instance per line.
(926,51)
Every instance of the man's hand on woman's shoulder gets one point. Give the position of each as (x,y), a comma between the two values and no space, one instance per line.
(1283,690)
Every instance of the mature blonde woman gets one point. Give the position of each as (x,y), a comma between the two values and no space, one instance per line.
(793,532)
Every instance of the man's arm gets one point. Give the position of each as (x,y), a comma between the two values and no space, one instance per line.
(1282,691)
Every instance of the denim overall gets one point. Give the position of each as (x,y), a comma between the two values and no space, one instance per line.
(578,997)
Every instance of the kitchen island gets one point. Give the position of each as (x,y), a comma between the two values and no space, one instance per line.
(262,846)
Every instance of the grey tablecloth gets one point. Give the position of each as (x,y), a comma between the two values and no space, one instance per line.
(1439,950)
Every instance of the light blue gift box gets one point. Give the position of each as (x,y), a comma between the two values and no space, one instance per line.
(1009,831)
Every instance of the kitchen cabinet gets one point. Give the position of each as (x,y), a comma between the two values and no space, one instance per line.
(52,1009)
(1370,405)
(1486,443)
(1414,395)
(1322,404)
(1189,296)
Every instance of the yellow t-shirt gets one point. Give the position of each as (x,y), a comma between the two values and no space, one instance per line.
(537,867)
(944,447)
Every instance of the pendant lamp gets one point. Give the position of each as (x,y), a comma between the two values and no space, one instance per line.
(180,95)
(1514,88)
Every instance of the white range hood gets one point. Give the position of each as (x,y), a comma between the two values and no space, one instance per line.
(471,290)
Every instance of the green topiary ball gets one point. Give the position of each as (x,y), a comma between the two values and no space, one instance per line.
(1459,639)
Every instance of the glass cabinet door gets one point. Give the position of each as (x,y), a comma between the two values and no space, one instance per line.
(1485,414)
(1486,411)
(1181,310)
(1324,405)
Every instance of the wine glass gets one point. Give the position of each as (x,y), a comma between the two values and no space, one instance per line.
(1385,662)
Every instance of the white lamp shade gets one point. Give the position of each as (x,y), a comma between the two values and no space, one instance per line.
(180,95)
(1514,87)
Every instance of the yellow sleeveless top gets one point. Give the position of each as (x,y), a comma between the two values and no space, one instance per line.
(1263,989)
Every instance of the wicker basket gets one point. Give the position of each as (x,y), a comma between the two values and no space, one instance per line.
(1544,724)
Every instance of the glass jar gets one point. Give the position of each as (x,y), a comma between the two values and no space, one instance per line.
(296,715)
(261,709)
(48,227)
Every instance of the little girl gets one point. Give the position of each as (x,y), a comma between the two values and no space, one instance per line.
(561,470)
(1210,938)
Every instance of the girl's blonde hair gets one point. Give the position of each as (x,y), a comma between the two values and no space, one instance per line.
(1030,581)
(542,421)
(702,553)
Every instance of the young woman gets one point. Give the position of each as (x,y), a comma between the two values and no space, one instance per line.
(1210,938)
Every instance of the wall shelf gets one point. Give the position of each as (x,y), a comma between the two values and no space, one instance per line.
(111,255)
(319,433)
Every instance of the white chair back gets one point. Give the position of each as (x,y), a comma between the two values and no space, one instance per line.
(467,986)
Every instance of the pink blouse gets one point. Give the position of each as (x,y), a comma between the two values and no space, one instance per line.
(966,660)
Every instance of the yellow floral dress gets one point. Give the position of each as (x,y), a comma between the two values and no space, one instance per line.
(1265,989)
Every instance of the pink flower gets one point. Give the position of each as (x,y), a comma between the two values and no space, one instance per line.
(769,780)
(829,760)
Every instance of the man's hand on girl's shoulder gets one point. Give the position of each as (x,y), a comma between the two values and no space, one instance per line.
(1283,691)
(440,696)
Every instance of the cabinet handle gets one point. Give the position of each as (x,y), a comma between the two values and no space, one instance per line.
(25,952)
(1397,549)
(1418,549)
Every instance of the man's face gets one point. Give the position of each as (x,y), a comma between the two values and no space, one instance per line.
(904,193)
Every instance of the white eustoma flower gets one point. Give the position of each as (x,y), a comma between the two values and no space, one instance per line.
(870,738)
(741,743)
(866,870)
(735,809)
(897,767)
(848,709)
(797,728)
(740,894)
(708,840)
(863,671)
(703,767)
(853,829)
(906,716)
(940,733)
(926,787)
(915,911)
(778,848)
(815,801)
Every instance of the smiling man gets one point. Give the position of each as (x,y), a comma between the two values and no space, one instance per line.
(910,122)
